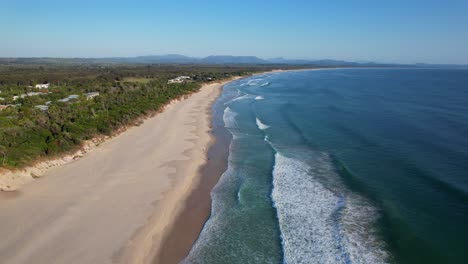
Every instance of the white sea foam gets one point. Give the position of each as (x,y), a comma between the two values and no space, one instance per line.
(253,82)
(265,84)
(229,118)
(210,234)
(259,97)
(240,96)
(318,222)
(243,97)
(261,125)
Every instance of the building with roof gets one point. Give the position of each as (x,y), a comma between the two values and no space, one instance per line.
(91,95)
(68,98)
(179,79)
(42,86)
(42,107)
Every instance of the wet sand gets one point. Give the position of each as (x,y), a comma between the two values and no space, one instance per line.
(119,202)
(188,225)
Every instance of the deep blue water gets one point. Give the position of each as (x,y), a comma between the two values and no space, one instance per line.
(342,166)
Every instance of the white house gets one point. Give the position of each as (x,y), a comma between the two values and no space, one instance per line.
(26,94)
(91,95)
(31,94)
(8,105)
(42,107)
(42,86)
(70,97)
(179,79)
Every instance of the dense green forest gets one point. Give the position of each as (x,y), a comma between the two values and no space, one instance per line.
(38,124)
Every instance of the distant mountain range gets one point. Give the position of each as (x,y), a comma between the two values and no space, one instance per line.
(227,59)
(214,60)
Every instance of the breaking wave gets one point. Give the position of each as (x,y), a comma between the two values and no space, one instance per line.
(321,222)
(229,118)
(261,125)
(239,97)
(255,82)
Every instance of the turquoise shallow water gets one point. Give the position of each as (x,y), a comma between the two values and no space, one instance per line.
(342,166)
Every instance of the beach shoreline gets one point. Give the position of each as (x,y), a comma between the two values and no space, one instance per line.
(148,172)
(191,204)
(188,224)
(196,210)
(190,164)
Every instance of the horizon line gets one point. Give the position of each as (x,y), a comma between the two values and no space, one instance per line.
(234,56)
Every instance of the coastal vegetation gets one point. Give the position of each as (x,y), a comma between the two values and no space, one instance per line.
(37,123)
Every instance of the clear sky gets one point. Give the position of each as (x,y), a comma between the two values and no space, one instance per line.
(433,31)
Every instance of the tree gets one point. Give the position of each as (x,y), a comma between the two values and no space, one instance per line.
(3,150)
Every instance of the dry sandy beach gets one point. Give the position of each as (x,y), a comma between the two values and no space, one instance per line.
(117,203)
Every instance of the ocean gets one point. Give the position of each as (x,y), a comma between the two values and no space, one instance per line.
(342,166)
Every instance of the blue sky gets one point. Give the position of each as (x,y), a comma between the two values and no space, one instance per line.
(387,31)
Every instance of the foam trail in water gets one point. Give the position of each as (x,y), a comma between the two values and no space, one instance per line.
(211,234)
(318,223)
(240,96)
(229,118)
(261,125)
(252,82)
(243,97)
(259,97)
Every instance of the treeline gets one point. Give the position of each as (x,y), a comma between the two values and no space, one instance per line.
(28,133)
(88,74)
